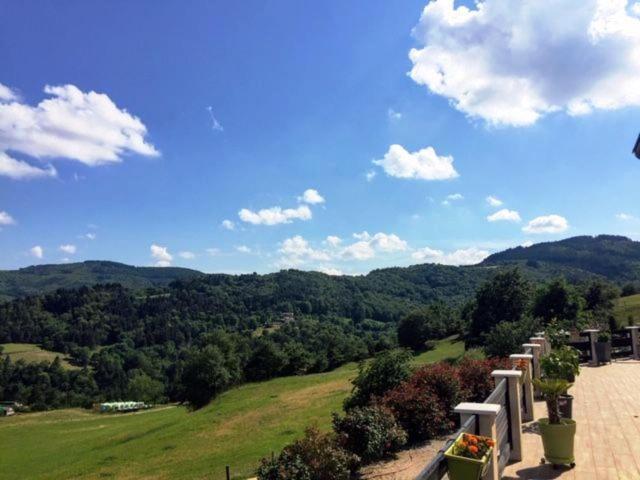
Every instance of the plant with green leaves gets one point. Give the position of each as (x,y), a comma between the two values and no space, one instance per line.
(563,363)
(551,389)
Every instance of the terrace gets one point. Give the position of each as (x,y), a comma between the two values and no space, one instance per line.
(606,408)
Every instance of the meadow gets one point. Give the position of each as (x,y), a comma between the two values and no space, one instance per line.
(237,429)
(627,307)
(33,353)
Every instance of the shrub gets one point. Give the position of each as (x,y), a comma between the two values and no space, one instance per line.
(316,456)
(475,376)
(370,432)
(418,411)
(508,337)
(443,381)
(563,363)
(384,372)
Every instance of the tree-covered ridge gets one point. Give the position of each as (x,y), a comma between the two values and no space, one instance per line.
(614,257)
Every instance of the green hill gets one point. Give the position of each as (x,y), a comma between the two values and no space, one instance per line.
(237,429)
(45,278)
(627,307)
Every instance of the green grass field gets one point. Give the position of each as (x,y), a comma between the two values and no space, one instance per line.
(33,353)
(237,429)
(626,307)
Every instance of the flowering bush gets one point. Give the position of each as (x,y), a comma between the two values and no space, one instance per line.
(443,381)
(316,456)
(370,432)
(475,377)
(472,446)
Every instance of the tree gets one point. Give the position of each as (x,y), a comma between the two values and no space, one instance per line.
(425,324)
(504,298)
(507,337)
(558,300)
(143,388)
(266,361)
(204,376)
(384,372)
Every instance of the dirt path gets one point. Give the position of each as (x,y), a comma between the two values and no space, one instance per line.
(406,466)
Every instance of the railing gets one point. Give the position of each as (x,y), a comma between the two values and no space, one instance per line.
(504,437)
(437,468)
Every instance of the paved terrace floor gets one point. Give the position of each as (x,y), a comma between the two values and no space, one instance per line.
(606,407)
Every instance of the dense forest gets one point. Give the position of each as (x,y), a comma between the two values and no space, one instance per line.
(197,335)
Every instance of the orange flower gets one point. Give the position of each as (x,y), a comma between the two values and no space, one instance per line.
(491,443)
(473,449)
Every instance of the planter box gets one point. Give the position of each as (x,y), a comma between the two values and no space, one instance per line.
(463,468)
(603,352)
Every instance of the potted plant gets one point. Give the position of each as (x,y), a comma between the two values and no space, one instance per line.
(563,364)
(603,347)
(468,457)
(557,433)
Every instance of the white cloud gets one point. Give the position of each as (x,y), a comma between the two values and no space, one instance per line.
(527,244)
(6,219)
(424,164)
(361,250)
(19,170)
(504,215)
(90,236)
(161,255)
(467,256)
(370,175)
(228,224)
(37,251)
(275,215)
(331,271)
(454,197)
(546,224)
(69,249)
(393,115)
(494,201)
(213,251)
(625,216)
(510,63)
(215,124)
(187,255)
(71,124)
(243,249)
(311,196)
(296,251)
(635,9)
(7,95)
(333,240)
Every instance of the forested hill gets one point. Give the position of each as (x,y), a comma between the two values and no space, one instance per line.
(46,278)
(577,259)
(614,257)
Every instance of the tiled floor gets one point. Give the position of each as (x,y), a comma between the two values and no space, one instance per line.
(606,408)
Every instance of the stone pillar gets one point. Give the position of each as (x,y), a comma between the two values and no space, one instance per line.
(542,341)
(535,372)
(634,341)
(487,414)
(515,412)
(528,386)
(547,343)
(593,332)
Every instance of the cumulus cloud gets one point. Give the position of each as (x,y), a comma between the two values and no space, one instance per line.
(527,244)
(546,224)
(504,215)
(161,255)
(68,248)
(7,95)
(510,63)
(467,256)
(424,164)
(187,255)
(296,251)
(6,219)
(311,196)
(86,127)
(331,271)
(625,216)
(493,201)
(228,224)
(37,251)
(454,197)
(243,249)
(90,236)
(275,215)
(333,240)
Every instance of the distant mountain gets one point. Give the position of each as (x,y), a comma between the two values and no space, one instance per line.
(614,257)
(44,278)
(578,258)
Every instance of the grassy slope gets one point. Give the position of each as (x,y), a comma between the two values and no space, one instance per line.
(33,353)
(237,429)
(626,307)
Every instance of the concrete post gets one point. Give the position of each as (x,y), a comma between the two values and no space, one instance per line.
(592,332)
(515,412)
(634,341)
(547,343)
(535,373)
(528,385)
(487,414)
(542,341)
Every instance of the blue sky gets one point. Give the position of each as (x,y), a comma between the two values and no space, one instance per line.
(541,115)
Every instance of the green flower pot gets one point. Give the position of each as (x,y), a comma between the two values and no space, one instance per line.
(463,468)
(558,440)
